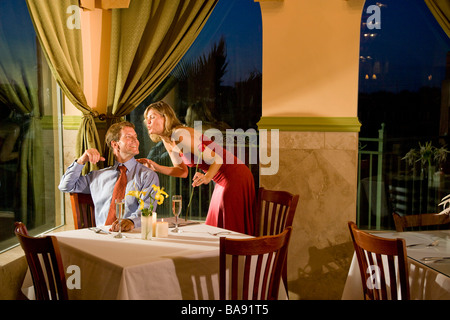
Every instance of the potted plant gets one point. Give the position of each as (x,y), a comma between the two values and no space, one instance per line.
(429,157)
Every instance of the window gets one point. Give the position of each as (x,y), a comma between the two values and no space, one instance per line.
(404,71)
(219,82)
(30,143)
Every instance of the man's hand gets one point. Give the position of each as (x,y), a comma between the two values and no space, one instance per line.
(127,225)
(91,155)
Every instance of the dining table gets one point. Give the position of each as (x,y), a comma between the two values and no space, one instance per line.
(181,266)
(428,255)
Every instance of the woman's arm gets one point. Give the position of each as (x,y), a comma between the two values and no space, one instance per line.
(179,171)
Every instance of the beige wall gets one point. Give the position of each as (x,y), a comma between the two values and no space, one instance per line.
(96,30)
(310,69)
(311,57)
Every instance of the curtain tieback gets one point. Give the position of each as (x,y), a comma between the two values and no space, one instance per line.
(101,116)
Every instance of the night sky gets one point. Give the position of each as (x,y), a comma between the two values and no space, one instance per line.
(17,36)
(239,22)
(408,52)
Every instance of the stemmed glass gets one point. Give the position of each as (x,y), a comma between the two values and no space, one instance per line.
(120,211)
(176,209)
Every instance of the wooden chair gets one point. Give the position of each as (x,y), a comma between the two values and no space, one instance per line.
(275,211)
(44,260)
(382,264)
(83,210)
(421,220)
(267,256)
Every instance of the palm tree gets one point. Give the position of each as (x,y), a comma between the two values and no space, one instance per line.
(200,80)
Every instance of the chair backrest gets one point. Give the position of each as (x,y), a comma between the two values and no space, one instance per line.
(275,211)
(382,264)
(45,264)
(83,210)
(256,266)
(442,221)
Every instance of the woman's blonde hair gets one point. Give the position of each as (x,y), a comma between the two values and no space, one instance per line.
(168,113)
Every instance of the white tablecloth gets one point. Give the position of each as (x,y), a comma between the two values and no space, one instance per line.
(182,266)
(429,280)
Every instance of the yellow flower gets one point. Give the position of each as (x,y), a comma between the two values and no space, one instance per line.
(137,194)
(160,193)
(159,197)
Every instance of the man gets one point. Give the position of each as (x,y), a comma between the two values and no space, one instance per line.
(122,139)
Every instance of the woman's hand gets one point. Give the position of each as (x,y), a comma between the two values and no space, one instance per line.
(199,179)
(149,163)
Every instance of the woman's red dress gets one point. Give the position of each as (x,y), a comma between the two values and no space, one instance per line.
(233,200)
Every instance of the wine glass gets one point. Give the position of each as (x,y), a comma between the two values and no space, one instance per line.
(120,211)
(176,209)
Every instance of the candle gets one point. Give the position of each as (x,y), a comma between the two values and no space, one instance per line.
(162,229)
(154,224)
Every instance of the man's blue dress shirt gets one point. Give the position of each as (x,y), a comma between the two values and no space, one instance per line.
(100,184)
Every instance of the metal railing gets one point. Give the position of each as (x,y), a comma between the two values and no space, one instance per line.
(371,161)
(387,184)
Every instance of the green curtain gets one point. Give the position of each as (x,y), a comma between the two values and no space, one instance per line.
(147,41)
(63,49)
(19,90)
(441,11)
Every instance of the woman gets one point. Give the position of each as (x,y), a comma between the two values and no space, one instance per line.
(232,202)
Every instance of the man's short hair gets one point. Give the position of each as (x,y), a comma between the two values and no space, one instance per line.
(114,132)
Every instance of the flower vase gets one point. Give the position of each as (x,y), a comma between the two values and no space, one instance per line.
(146,227)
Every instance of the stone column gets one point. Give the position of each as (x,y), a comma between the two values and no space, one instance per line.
(320,166)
